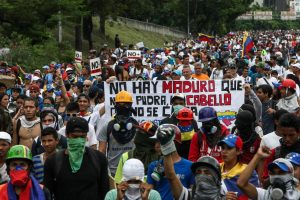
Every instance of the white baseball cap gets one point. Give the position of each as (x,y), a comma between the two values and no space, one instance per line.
(5,136)
(296,65)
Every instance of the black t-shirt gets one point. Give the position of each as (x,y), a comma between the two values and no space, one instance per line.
(86,184)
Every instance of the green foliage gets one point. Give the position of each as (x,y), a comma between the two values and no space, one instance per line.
(265,25)
(35,56)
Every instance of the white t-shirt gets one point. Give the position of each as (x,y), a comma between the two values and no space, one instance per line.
(138,72)
(270,140)
(265,80)
(91,135)
(216,74)
(183,78)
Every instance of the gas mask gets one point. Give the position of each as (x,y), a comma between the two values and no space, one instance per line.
(209,128)
(122,124)
(123,129)
(281,186)
(158,172)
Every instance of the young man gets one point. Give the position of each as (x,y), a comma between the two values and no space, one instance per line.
(271,140)
(156,175)
(132,185)
(138,71)
(78,172)
(50,140)
(231,168)
(264,93)
(5,141)
(22,185)
(283,185)
(289,129)
(27,127)
(205,142)
(206,171)
(117,136)
(289,100)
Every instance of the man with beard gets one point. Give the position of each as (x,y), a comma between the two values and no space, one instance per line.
(283,183)
(206,170)
(205,142)
(22,185)
(78,172)
(27,127)
(118,137)
(5,141)
(245,126)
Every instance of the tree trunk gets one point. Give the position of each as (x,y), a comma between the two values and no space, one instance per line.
(78,35)
(88,30)
(102,24)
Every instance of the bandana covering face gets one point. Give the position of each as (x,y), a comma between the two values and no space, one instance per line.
(206,188)
(76,149)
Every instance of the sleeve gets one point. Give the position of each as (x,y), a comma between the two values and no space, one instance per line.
(154,195)
(119,174)
(266,163)
(92,136)
(104,180)
(185,194)
(194,149)
(257,105)
(102,133)
(151,167)
(111,195)
(49,174)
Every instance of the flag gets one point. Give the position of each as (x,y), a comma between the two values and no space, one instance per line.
(206,38)
(248,43)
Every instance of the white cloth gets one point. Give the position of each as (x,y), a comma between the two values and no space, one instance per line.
(91,136)
(216,74)
(266,80)
(3,174)
(28,124)
(133,169)
(270,140)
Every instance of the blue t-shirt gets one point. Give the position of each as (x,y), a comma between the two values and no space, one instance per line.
(49,78)
(183,172)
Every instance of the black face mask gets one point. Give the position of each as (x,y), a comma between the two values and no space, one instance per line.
(124,110)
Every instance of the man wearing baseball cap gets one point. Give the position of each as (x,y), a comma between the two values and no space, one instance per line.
(231,168)
(78,172)
(5,141)
(283,183)
(294,158)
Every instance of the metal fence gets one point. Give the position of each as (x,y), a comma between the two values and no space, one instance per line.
(145,26)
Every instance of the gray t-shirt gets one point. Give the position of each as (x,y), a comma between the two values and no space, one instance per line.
(115,149)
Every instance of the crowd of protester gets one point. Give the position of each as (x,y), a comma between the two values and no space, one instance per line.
(57,143)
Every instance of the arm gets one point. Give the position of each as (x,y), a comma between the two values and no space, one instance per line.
(62,87)
(243,181)
(194,149)
(170,174)
(255,100)
(15,136)
(102,147)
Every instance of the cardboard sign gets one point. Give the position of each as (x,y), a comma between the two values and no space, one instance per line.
(78,56)
(95,67)
(152,99)
(133,54)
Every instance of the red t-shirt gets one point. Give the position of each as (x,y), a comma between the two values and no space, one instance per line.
(197,151)
(249,153)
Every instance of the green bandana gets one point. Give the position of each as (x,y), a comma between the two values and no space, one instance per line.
(76,148)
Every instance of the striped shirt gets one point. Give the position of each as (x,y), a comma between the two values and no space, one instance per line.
(38,167)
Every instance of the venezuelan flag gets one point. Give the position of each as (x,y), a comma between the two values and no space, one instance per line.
(230,179)
(206,38)
(248,43)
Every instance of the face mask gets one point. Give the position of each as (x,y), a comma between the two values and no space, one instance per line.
(279,184)
(206,188)
(123,110)
(49,125)
(76,148)
(209,128)
(177,108)
(19,177)
(133,192)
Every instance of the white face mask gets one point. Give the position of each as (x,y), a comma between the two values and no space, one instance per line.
(133,192)
(49,125)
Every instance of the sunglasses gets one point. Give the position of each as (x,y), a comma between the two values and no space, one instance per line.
(86,85)
(33,91)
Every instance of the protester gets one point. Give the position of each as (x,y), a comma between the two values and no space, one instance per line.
(78,172)
(5,142)
(132,185)
(22,185)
